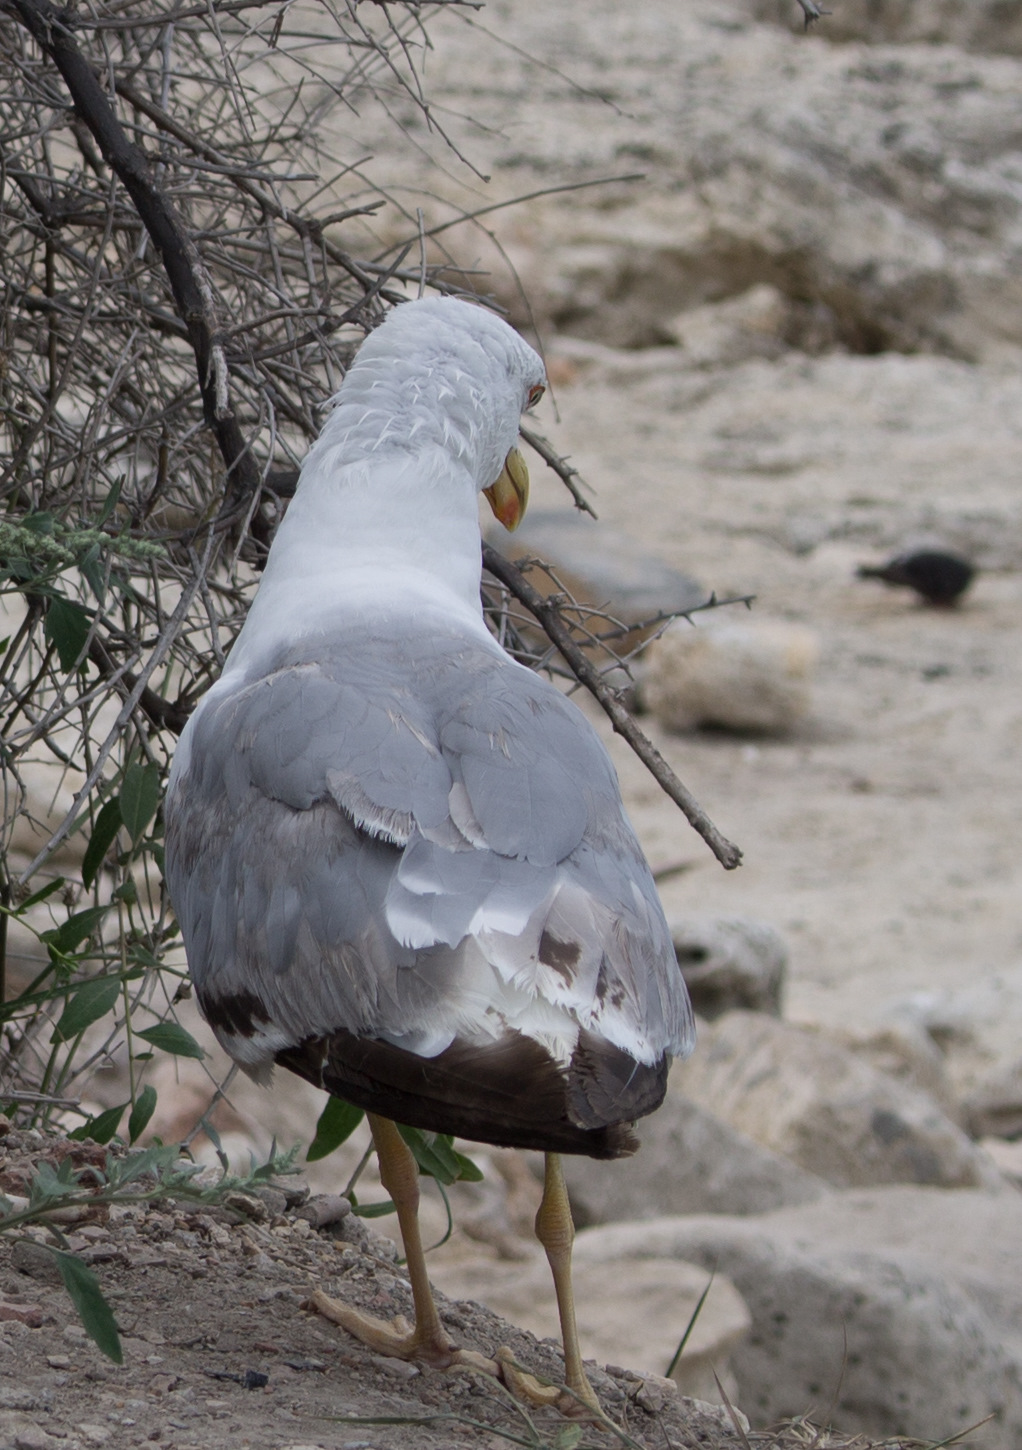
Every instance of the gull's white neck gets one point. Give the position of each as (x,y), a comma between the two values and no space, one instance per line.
(389,531)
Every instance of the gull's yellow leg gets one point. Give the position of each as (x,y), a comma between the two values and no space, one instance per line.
(556,1232)
(427,1340)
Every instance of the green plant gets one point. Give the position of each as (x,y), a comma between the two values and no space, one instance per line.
(157,1174)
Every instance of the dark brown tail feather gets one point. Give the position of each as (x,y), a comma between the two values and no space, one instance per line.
(510,1093)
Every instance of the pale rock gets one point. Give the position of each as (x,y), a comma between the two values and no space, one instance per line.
(689,1161)
(634,1318)
(748,675)
(808,1098)
(905,1051)
(600,566)
(994,1106)
(875,187)
(1007,1157)
(721,334)
(890,1311)
(980,25)
(20,1433)
(730,961)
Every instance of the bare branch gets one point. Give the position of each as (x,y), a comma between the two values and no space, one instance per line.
(549,616)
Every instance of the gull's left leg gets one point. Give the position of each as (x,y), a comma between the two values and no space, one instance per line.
(426,1340)
(556,1232)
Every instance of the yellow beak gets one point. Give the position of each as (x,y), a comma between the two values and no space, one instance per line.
(509,496)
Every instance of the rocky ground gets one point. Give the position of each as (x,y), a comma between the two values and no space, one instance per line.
(792,347)
(219,1347)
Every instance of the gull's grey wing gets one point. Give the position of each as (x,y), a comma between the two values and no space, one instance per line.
(417,842)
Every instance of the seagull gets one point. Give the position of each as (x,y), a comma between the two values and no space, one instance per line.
(399,859)
(937,575)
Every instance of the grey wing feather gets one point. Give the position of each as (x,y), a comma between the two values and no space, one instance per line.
(402,837)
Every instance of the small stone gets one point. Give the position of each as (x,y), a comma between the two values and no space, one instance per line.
(655,1394)
(730,961)
(94,1434)
(13,1399)
(247,1204)
(325,1209)
(30,1314)
(744,675)
(35,1261)
(397,1368)
(93,1233)
(31,1437)
(275,1200)
(58,1361)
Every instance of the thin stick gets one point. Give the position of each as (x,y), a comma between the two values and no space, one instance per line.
(565,471)
(558,632)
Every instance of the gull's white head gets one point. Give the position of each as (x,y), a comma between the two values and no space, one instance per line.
(437,373)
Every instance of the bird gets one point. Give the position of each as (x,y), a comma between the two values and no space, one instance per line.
(937,575)
(399,859)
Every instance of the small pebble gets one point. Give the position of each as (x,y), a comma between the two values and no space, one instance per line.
(30,1314)
(396,1368)
(35,1261)
(30,1437)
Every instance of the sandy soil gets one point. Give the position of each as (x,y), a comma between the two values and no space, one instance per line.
(219,1347)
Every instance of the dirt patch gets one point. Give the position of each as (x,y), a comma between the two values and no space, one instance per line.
(219,1348)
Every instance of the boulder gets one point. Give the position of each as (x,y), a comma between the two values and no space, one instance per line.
(748,675)
(689,1162)
(1007,1156)
(804,1096)
(730,961)
(904,1050)
(634,1318)
(980,25)
(721,334)
(760,322)
(600,566)
(994,1106)
(894,1311)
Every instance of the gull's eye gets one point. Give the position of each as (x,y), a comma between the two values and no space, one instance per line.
(535,394)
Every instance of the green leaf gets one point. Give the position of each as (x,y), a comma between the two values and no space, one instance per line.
(92,1001)
(45,1183)
(40,895)
(67,627)
(337,1122)
(101,1128)
(171,1037)
(76,929)
(468,1172)
(142,1110)
(567,1437)
(38,523)
(157,1158)
(90,567)
(433,1153)
(374,1210)
(111,501)
(140,795)
(104,832)
(93,1310)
